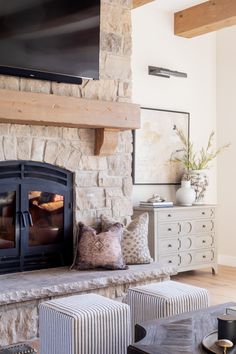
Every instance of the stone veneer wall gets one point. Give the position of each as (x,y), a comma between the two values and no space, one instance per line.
(103,184)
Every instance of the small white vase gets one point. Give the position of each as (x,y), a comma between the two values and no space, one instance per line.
(185,195)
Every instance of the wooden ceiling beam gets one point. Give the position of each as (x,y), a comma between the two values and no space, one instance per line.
(206,17)
(137,3)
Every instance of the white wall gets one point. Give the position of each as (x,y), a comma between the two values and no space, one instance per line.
(226,127)
(154,44)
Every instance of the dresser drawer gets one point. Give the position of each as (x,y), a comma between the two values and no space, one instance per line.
(202,226)
(183,259)
(205,241)
(169,245)
(171,259)
(204,257)
(198,213)
(168,229)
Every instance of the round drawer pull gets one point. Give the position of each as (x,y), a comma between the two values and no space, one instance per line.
(203,241)
(203,226)
(169,246)
(169,215)
(169,229)
(203,213)
(169,261)
(204,256)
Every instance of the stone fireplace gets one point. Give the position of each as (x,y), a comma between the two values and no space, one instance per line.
(101,184)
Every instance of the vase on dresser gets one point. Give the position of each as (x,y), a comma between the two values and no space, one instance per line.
(185,195)
(199,182)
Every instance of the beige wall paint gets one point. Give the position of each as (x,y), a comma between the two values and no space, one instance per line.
(226,128)
(155,44)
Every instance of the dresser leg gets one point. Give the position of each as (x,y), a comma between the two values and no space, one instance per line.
(214,270)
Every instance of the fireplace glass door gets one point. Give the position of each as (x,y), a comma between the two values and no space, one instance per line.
(35,216)
(8,214)
(46,218)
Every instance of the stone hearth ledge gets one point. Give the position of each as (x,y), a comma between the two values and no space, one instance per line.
(56,282)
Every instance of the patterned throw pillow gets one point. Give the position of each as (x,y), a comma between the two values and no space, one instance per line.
(135,239)
(101,250)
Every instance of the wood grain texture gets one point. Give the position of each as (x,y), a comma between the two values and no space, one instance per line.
(177,334)
(206,17)
(221,287)
(47,109)
(137,3)
(106,141)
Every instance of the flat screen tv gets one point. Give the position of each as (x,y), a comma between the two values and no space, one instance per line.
(55,40)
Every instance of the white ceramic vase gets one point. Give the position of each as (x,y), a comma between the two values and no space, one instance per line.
(199,181)
(185,195)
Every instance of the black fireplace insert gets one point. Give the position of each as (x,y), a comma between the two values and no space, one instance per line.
(36,212)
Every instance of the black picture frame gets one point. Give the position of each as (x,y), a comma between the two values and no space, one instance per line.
(157,123)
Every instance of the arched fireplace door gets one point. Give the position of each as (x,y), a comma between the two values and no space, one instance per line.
(35,216)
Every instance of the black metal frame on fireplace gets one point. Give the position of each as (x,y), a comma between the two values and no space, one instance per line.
(21,177)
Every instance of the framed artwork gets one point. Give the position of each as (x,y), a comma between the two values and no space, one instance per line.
(154,145)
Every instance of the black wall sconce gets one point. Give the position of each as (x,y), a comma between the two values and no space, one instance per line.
(156,71)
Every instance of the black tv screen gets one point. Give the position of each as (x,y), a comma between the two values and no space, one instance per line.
(54,40)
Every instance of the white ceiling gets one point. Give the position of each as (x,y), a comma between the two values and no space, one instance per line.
(176,5)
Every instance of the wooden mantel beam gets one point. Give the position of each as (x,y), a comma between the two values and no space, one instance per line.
(206,17)
(137,3)
(46,109)
(108,118)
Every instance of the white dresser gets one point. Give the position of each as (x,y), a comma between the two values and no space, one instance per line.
(182,236)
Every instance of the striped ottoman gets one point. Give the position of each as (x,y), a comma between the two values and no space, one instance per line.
(164,299)
(84,324)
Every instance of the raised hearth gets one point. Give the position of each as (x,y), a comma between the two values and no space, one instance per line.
(22,292)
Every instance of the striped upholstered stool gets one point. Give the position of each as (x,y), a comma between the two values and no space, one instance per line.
(163,299)
(84,324)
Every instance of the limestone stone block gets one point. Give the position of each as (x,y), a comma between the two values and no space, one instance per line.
(105,90)
(117,67)
(111,15)
(125,89)
(93,163)
(126,22)
(9,147)
(51,151)
(46,131)
(113,192)
(106,212)
(90,198)
(111,42)
(87,148)
(119,165)
(23,148)
(32,85)
(37,150)
(70,133)
(88,217)
(121,207)
(127,45)
(63,154)
(87,134)
(128,186)
(18,323)
(86,179)
(73,161)
(63,89)
(9,82)
(4,129)
(19,130)
(104,180)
